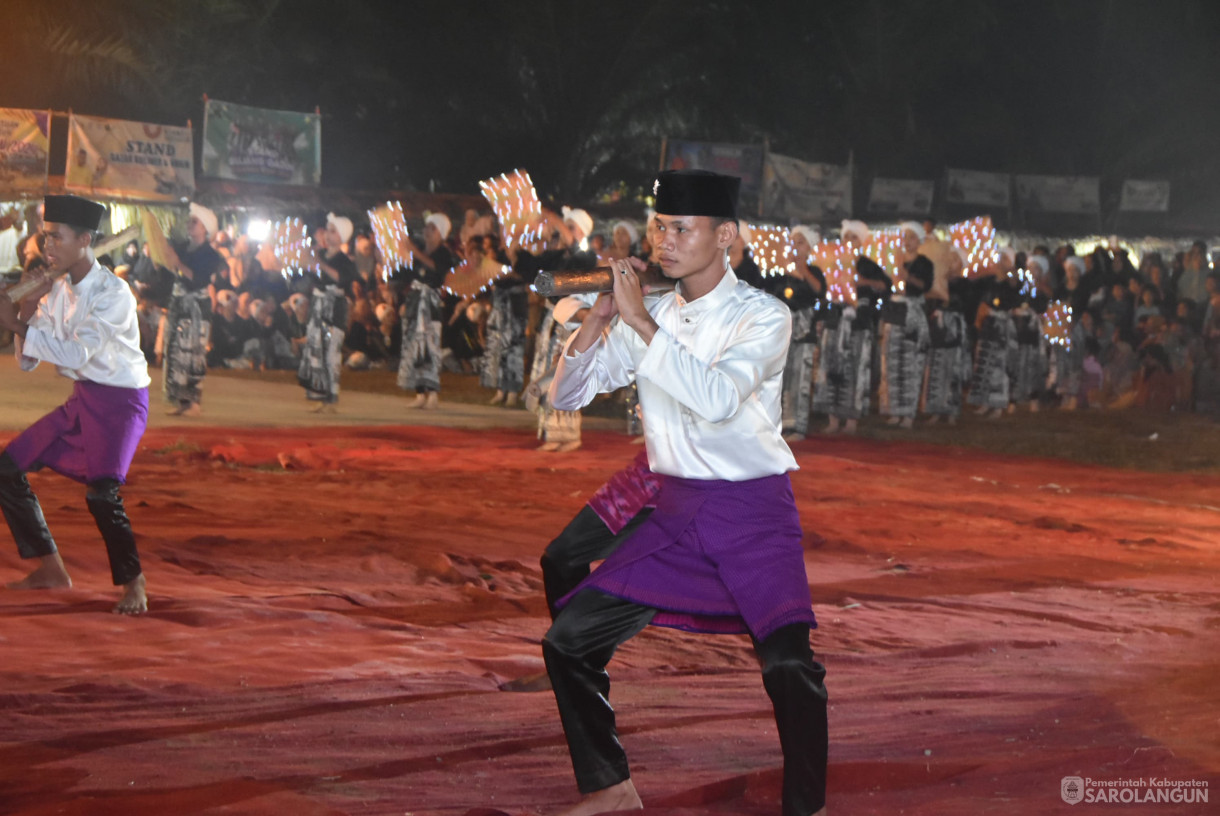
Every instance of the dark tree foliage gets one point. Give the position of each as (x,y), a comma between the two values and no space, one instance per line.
(441,93)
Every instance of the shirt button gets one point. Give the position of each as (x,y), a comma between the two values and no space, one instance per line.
(686,320)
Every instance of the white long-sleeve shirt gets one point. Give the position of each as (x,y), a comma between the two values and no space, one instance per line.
(89,331)
(709,382)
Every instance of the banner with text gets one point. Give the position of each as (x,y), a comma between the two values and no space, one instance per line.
(974,187)
(805,191)
(112,158)
(1059,194)
(742,160)
(1145,196)
(901,196)
(261,145)
(24,143)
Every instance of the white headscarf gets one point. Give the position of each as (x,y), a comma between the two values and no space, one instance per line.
(811,235)
(915,227)
(342,225)
(856,228)
(1041,262)
(580,218)
(206,217)
(441,222)
(631,230)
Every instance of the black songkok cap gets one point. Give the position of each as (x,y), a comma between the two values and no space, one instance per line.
(74,211)
(696,192)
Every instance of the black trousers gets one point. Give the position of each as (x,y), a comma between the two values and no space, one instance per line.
(29,527)
(566,560)
(590,629)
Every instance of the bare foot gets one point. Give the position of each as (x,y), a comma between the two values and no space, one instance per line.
(496,398)
(49,574)
(510,399)
(906,423)
(134,601)
(616,797)
(549,447)
(431,401)
(568,447)
(849,427)
(418,402)
(530,682)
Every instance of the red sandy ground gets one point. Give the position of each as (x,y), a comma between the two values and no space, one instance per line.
(331,618)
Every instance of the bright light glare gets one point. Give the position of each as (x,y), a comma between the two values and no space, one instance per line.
(258,230)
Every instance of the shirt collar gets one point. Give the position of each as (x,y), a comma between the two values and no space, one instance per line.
(91,280)
(719,294)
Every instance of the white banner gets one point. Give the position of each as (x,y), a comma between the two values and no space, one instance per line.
(1145,196)
(901,196)
(974,187)
(805,191)
(113,158)
(1059,194)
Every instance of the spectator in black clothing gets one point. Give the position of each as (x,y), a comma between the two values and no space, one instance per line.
(741,259)
(337,268)
(364,346)
(229,331)
(296,312)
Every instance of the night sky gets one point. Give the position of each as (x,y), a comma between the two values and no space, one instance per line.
(437,95)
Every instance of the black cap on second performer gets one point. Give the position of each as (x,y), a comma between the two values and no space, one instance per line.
(74,211)
(696,192)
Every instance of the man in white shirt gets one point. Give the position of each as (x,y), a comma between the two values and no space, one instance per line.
(722,551)
(9,239)
(86,325)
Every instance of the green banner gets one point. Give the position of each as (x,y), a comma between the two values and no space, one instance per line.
(256,144)
(24,142)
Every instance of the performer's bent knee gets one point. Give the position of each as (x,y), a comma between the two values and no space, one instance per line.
(103,491)
(563,637)
(787,649)
(9,469)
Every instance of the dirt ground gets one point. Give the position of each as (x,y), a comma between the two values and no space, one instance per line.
(333,608)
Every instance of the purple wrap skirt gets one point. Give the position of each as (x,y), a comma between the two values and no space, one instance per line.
(94,435)
(715,556)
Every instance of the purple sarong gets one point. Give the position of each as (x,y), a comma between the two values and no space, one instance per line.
(92,436)
(715,556)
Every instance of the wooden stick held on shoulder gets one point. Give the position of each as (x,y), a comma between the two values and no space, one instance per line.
(23,289)
(598,279)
